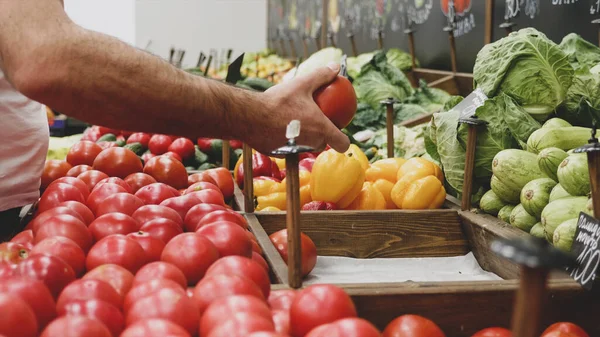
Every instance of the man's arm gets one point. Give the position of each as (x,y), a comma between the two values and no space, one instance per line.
(102,80)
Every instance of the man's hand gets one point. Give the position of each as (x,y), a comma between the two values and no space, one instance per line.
(294,100)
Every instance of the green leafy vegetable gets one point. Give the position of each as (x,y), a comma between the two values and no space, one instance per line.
(400,59)
(367,118)
(380,80)
(320,59)
(580,52)
(430,99)
(408,142)
(527,66)
(355,64)
(583,100)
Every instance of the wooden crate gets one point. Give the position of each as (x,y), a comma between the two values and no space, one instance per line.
(460,308)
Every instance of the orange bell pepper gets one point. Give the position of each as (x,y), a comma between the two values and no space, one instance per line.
(385,187)
(369,198)
(384,169)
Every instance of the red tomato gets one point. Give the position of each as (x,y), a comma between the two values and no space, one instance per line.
(214,287)
(317,305)
(414,326)
(159,144)
(56,194)
(54,169)
(163,229)
(77,326)
(309,250)
(196,213)
(228,237)
(81,186)
(99,310)
(13,253)
(557,333)
(54,272)
(208,197)
(17,319)
(113,223)
(282,299)
(223,215)
(152,246)
(152,212)
(241,324)
(92,177)
(183,147)
(347,327)
(281,320)
(566,327)
(42,218)
(154,327)
(63,248)
(160,270)
(35,294)
(201,177)
(267,334)
(104,130)
(338,101)
(147,156)
(154,194)
(222,309)
(167,170)
(258,258)
(102,192)
(166,304)
(117,162)
(75,171)
(199,186)
(81,209)
(24,238)
(224,180)
(139,180)
(148,288)
(181,204)
(113,180)
(123,203)
(83,153)
(193,254)
(238,265)
(118,277)
(117,249)
(173,155)
(89,289)
(139,137)
(67,226)
(493,332)
(107,145)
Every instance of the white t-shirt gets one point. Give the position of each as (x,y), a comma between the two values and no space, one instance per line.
(23,147)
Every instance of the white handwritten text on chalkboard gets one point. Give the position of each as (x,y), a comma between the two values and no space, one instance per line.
(564,2)
(464,25)
(585,247)
(595,7)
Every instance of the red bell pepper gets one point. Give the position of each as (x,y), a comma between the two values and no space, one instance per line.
(319,206)
(262,166)
(282,173)
(275,171)
(92,134)
(267,178)
(305,155)
(236,144)
(307,164)
(204,144)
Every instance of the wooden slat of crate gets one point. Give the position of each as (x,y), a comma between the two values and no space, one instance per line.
(432,233)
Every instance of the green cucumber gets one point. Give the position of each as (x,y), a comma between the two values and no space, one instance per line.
(109,137)
(536,195)
(136,148)
(121,142)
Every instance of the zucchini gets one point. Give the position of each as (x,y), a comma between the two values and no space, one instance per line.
(512,169)
(490,203)
(558,192)
(561,210)
(521,219)
(504,213)
(256,83)
(573,174)
(564,235)
(538,231)
(549,159)
(556,123)
(109,137)
(565,138)
(136,148)
(536,195)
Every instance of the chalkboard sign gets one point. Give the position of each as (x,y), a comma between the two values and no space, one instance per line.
(586,247)
(365,18)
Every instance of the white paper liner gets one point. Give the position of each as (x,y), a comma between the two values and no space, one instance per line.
(338,270)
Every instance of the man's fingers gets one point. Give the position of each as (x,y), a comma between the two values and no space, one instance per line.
(320,77)
(337,139)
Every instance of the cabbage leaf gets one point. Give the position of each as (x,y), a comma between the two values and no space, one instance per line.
(580,52)
(400,59)
(583,101)
(528,67)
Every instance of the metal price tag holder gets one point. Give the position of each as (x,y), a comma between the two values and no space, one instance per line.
(511,11)
(389,122)
(473,123)
(450,30)
(350,35)
(592,149)
(291,151)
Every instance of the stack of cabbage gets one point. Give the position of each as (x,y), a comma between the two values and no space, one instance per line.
(543,190)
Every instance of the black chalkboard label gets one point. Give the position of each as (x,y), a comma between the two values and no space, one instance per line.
(586,247)
(468,105)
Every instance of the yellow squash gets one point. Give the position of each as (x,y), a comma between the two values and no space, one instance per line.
(337,178)
(384,169)
(420,193)
(369,198)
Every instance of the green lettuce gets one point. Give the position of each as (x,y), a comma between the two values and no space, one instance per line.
(430,99)
(379,80)
(355,64)
(320,59)
(408,142)
(528,67)
(580,52)
(400,59)
(583,101)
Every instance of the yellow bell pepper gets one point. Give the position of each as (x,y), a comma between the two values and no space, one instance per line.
(303,177)
(305,197)
(359,155)
(384,169)
(270,209)
(420,193)
(337,178)
(385,187)
(277,200)
(369,198)
(280,162)
(265,187)
(419,167)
